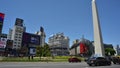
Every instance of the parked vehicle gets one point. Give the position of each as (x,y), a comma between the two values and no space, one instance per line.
(98,61)
(74,60)
(116,60)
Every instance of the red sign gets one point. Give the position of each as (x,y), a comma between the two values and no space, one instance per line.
(83,48)
(2,17)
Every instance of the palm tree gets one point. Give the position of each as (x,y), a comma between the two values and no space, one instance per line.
(109,51)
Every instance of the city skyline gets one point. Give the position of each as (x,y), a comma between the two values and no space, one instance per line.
(72,17)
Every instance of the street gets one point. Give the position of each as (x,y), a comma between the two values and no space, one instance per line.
(50,65)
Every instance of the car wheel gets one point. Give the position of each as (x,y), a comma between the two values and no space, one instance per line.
(114,62)
(119,62)
(97,64)
(90,64)
(93,65)
(109,63)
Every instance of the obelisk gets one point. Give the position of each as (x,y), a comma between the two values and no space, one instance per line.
(98,42)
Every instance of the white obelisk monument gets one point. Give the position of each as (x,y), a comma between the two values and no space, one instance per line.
(98,42)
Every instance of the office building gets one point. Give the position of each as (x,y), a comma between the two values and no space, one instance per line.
(59,44)
(16,33)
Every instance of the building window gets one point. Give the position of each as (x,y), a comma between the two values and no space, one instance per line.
(15,39)
(15,42)
(20,34)
(19,37)
(18,45)
(19,40)
(15,36)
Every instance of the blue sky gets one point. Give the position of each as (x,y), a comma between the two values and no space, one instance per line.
(72,17)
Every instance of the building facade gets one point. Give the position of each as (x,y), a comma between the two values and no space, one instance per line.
(117,49)
(3,42)
(16,33)
(9,36)
(42,36)
(82,47)
(59,44)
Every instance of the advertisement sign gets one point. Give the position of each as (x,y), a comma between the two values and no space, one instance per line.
(2,44)
(19,22)
(83,48)
(1,21)
(31,39)
(1,17)
(32,51)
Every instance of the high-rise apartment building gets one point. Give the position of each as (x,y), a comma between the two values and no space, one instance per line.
(16,33)
(59,44)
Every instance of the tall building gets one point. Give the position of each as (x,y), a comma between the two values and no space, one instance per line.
(59,44)
(117,49)
(98,42)
(42,36)
(16,33)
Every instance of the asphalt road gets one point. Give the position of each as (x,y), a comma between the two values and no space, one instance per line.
(50,65)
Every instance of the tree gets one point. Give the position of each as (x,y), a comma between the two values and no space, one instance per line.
(46,50)
(109,51)
(112,52)
(24,50)
(39,51)
(43,51)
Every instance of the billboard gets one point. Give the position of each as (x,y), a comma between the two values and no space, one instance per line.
(31,39)
(1,21)
(19,22)
(3,42)
(1,17)
(83,48)
(32,51)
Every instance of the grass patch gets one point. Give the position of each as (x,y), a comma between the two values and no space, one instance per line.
(37,59)
(17,59)
(61,57)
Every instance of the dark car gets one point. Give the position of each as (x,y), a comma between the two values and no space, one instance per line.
(98,61)
(116,60)
(74,60)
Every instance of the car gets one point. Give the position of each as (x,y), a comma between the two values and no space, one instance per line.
(98,61)
(74,59)
(116,60)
